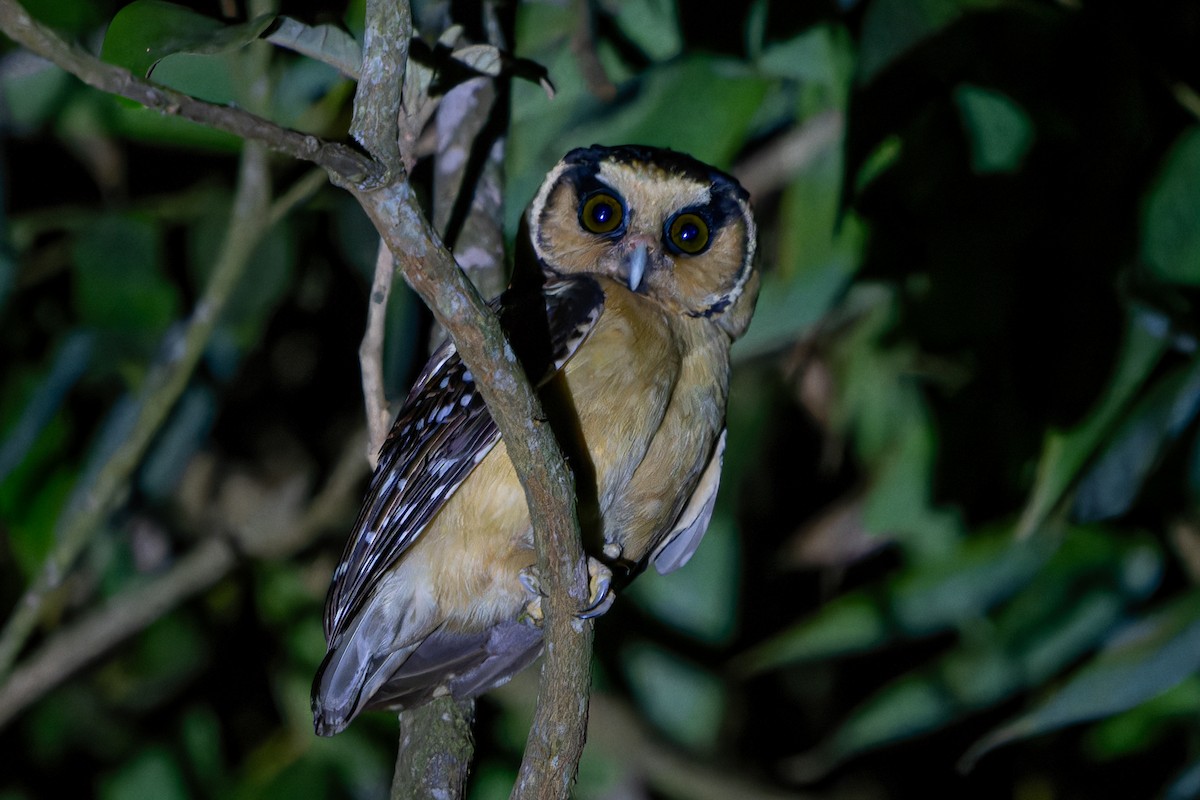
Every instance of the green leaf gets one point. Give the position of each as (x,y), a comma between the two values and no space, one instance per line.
(1144,660)
(1071,606)
(907,707)
(1171,217)
(70,363)
(820,250)
(1161,414)
(174,446)
(699,599)
(922,600)
(118,280)
(1146,726)
(211,77)
(999,131)
(146,31)
(963,586)
(892,28)
(1065,454)
(684,701)
(883,156)
(152,773)
(653,25)
(851,624)
(30,515)
(200,732)
(1186,785)
(32,97)
(821,58)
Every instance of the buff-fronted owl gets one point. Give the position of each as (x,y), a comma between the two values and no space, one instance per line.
(646,275)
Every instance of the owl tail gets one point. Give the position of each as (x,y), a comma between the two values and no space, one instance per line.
(355,675)
(354,669)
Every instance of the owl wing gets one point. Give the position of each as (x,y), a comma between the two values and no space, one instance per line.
(444,430)
(678,546)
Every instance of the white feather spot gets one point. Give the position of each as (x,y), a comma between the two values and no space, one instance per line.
(465,400)
(444,382)
(467,376)
(420,424)
(444,412)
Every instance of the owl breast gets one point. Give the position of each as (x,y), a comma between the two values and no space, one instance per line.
(647,454)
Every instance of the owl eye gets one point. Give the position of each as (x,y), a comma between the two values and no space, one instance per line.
(601,213)
(688,233)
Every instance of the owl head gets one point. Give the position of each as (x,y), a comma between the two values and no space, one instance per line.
(664,224)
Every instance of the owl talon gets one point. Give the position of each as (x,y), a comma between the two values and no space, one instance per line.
(533,609)
(600,593)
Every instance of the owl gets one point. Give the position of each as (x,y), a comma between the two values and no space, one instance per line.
(643,265)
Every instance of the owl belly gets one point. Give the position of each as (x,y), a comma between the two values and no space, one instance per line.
(626,409)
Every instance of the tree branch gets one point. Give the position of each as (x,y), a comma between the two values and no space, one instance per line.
(376,123)
(436,747)
(344,163)
(89,638)
(560,723)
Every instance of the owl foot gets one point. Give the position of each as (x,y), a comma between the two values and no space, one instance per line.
(600,593)
(533,587)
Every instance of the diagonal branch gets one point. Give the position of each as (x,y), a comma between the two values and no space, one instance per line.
(560,723)
(344,163)
(89,638)
(561,717)
(97,495)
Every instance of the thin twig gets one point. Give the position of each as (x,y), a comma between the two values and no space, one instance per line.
(370,354)
(93,501)
(89,638)
(583,47)
(775,165)
(73,648)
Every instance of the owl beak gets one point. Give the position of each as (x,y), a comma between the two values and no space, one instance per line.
(635,265)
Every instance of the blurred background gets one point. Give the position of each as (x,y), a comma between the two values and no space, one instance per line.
(956,547)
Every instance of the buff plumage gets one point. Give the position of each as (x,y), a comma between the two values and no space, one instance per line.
(646,261)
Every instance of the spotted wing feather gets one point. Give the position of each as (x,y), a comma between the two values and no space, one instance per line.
(443,431)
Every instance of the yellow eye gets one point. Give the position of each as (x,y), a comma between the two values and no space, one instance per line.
(601,213)
(688,233)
